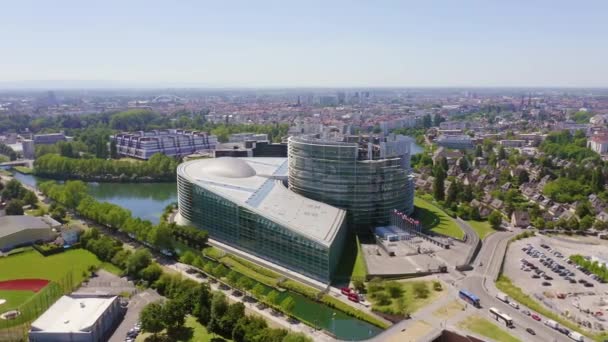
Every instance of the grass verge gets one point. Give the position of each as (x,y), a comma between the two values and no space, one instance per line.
(482,228)
(340,305)
(435,219)
(111,268)
(360,268)
(252,271)
(24,170)
(486,328)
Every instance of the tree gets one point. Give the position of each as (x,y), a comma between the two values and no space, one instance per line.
(288,304)
(244,283)
(151,318)
(258,291)
(30,198)
(523,177)
(478,151)
(273,297)
(475,215)
(583,208)
(359,285)
(495,219)
(597,180)
(427,121)
(173,313)
(113,150)
(202,306)
(14,207)
(502,154)
(187,258)
(421,290)
(138,261)
(586,222)
(219,306)
(439,186)
(233,277)
(151,273)
(463,163)
(437,119)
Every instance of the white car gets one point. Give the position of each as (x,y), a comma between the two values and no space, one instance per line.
(514,305)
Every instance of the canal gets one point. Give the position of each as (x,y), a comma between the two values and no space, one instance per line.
(147,201)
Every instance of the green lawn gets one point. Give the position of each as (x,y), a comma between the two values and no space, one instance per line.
(486,328)
(408,297)
(194,332)
(13,299)
(360,268)
(437,220)
(24,170)
(250,270)
(111,268)
(32,264)
(482,228)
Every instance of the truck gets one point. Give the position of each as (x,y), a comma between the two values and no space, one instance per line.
(551,323)
(503,297)
(576,336)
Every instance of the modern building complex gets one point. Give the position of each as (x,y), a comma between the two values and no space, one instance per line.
(460,142)
(245,203)
(49,139)
(21,230)
(78,318)
(172,142)
(368,176)
(250,149)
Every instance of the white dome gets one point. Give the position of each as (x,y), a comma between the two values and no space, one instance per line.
(228,167)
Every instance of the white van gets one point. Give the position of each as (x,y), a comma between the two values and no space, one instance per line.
(576,336)
(503,297)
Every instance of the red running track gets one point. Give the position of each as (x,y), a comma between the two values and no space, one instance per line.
(34,285)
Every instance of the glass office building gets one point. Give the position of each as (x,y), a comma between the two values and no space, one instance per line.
(368,176)
(244,203)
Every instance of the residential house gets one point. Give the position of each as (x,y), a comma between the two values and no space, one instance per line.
(520,218)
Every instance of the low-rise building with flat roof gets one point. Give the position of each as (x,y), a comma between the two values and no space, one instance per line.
(78,318)
(20,230)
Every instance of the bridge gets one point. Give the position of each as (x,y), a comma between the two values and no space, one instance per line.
(23,162)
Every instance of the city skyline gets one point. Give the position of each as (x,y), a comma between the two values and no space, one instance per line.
(340,44)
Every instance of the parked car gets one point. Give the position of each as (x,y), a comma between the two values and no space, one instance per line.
(546,283)
(588,285)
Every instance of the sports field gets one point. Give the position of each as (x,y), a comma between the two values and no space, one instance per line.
(31,264)
(23,278)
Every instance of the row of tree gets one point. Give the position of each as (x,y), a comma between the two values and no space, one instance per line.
(211,309)
(7,151)
(16,196)
(159,168)
(73,195)
(594,267)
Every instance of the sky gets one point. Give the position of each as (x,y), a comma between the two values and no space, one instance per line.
(309,43)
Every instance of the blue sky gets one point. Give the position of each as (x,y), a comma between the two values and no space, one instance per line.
(308,43)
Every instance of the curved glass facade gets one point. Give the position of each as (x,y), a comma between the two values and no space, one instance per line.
(334,173)
(242,228)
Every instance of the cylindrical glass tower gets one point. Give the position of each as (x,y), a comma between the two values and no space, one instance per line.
(369,177)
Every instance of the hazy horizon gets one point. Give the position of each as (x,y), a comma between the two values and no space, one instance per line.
(313,44)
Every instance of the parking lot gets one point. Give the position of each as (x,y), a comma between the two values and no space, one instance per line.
(540,267)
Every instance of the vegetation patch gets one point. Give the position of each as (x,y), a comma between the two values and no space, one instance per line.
(482,228)
(486,328)
(400,298)
(250,270)
(24,170)
(435,219)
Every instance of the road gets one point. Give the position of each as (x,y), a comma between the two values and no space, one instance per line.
(481,283)
(472,238)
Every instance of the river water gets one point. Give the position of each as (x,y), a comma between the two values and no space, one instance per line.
(147,201)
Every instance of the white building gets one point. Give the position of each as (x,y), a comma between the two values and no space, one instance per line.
(78,318)
(598,143)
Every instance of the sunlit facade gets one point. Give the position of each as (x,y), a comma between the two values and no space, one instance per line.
(244,202)
(367,176)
